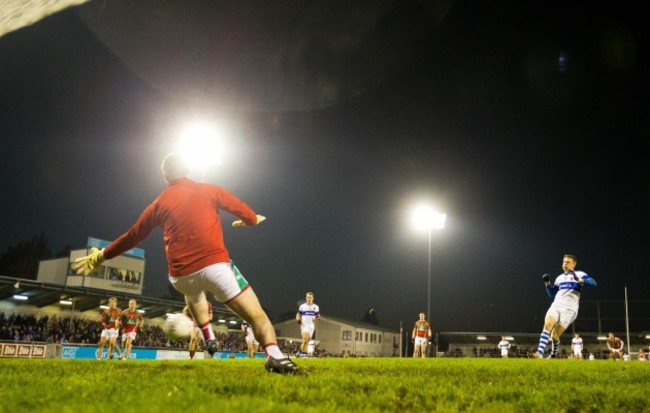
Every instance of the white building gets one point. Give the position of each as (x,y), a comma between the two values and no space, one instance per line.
(338,337)
(124,274)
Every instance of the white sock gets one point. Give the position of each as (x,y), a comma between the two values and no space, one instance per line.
(272,350)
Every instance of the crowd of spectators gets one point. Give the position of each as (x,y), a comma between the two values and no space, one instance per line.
(77,330)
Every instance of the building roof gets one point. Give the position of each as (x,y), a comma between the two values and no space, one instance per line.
(41,294)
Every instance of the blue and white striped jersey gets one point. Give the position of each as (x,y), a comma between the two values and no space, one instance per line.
(567,287)
(308,313)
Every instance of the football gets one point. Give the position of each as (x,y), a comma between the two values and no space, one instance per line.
(177,326)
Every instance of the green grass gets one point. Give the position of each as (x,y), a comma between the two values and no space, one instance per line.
(334,385)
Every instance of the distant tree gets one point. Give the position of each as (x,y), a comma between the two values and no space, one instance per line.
(370,317)
(22,261)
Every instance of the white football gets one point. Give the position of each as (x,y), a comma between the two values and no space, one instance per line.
(178,326)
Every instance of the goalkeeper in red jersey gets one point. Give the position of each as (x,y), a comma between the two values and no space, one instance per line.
(189,215)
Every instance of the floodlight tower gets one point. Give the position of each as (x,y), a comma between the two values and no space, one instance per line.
(200,144)
(425,218)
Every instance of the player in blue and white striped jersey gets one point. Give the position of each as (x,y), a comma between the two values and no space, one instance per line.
(306,316)
(564,309)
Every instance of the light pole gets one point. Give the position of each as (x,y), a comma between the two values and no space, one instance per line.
(426,219)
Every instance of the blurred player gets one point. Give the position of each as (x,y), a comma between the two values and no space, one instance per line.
(615,346)
(576,346)
(307,315)
(196,335)
(641,355)
(251,343)
(197,258)
(311,348)
(421,335)
(110,320)
(132,321)
(564,309)
(504,346)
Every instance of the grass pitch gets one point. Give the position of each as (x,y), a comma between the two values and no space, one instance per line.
(334,385)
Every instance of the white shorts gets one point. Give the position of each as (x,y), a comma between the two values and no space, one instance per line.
(421,341)
(109,333)
(504,351)
(563,315)
(130,335)
(251,339)
(307,328)
(221,279)
(577,350)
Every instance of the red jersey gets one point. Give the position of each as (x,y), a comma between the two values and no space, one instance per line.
(188,213)
(110,317)
(421,328)
(131,320)
(615,343)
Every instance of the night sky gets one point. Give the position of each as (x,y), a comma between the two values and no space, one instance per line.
(527,125)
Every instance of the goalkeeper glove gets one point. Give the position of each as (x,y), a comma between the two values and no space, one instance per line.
(546,278)
(240,223)
(89,263)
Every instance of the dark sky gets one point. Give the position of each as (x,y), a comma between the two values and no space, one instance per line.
(528,125)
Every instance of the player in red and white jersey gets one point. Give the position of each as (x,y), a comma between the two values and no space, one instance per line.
(196,335)
(132,320)
(615,346)
(110,320)
(189,214)
(420,336)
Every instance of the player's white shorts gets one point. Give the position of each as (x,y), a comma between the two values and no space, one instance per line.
(307,328)
(504,352)
(130,335)
(109,333)
(577,350)
(221,279)
(563,315)
(421,341)
(250,338)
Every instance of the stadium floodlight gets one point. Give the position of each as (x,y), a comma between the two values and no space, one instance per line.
(140,311)
(233,322)
(647,336)
(20,297)
(200,144)
(510,338)
(221,320)
(103,307)
(425,218)
(602,338)
(481,338)
(65,302)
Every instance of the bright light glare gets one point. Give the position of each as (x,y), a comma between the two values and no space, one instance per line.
(141,311)
(424,218)
(481,338)
(103,307)
(20,297)
(65,302)
(200,145)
